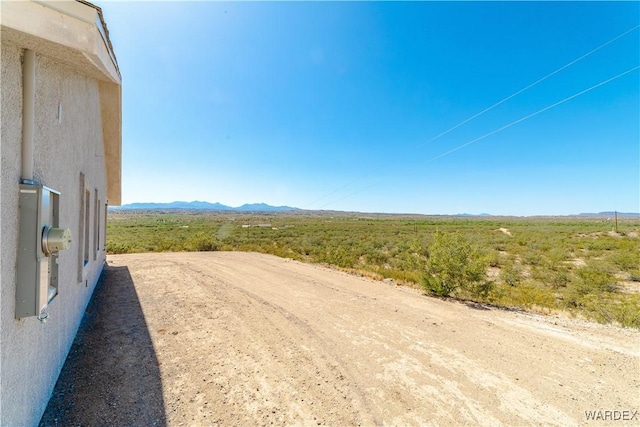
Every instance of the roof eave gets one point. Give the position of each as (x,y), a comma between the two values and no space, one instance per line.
(74,33)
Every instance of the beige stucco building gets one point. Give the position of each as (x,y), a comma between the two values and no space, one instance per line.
(60,130)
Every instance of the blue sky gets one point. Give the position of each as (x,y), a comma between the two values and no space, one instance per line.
(335,105)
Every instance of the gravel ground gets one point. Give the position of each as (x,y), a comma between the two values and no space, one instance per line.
(231,338)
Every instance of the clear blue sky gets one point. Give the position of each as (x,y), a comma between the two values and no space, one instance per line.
(333,105)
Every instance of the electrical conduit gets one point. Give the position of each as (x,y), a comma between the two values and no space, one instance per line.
(28,114)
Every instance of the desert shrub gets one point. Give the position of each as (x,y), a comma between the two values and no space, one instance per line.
(557,255)
(339,256)
(511,273)
(592,283)
(201,242)
(530,295)
(377,257)
(594,279)
(480,290)
(409,261)
(533,257)
(558,278)
(626,260)
(399,275)
(625,312)
(119,248)
(493,258)
(162,243)
(454,264)
(553,275)
(600,245)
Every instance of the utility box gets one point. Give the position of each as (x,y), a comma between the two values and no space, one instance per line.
(39,241)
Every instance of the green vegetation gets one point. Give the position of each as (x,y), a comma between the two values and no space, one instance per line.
(574,265)
(454,265)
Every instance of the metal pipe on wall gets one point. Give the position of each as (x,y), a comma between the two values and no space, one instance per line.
(28,114)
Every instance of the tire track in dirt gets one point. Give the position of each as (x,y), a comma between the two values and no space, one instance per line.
(316,346)
(264,354)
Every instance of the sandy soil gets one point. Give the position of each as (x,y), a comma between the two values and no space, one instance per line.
(229,338)
(505,231)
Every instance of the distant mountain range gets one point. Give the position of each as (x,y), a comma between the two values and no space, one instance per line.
(611,214)
(197,205)
(263,207)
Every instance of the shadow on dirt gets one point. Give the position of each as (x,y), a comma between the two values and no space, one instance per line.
(111,375)
(477,305)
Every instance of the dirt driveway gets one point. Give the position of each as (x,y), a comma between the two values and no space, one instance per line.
(230,338)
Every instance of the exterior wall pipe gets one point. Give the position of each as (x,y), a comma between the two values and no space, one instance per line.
(28,114)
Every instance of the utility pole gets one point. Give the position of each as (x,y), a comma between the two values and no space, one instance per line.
(615,215)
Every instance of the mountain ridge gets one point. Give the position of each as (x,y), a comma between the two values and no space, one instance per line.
(611,214)
(201,205)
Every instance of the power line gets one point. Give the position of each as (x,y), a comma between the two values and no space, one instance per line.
(531,85)
(534,114)
(562,101)
(350,183)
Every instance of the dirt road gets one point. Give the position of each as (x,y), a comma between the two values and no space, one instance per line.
(250,339)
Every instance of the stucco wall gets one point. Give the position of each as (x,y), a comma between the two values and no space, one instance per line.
(32,353)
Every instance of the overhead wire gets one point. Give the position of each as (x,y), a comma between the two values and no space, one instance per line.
(515,122)
(531,85)
(475,116)
(534,114)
